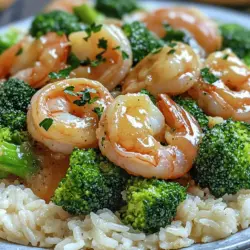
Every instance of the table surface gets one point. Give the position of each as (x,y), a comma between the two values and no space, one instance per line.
(25,8)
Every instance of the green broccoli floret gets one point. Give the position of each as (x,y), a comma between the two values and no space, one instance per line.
(16,155)
(116,8)
(223,161)
(237,38)
(13,119)
(151,203)
(88,14)
(91,183)
(11,37)
(55,21)
(191,106)
(15,94)
(142,40)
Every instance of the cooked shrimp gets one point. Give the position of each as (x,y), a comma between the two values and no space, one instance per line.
(172,71)
(230,69)
(32,60)
(229,97)
(112,71)
(73,124)
(132,127)
(64,5)
(204,30)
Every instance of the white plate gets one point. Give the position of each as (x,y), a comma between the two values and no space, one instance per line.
(237,241)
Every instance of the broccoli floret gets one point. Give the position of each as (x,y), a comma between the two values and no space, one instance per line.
(151,203)
(142,40)
(16,155)
(15,94)
(116,8)
(223,161)
(237,38)
(55,21)
(191,106)
(88,14)
(11,37)
(13,119)
(91,183)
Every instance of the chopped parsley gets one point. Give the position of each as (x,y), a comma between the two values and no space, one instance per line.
(93,100)
(172,51)
(99,111)
(85,97)
(172,44)
(124,55)
(173,34)
(64,73)
(116,48)
(46,123)
(156,50)
(145,92)
(93,28)
(19,52)
(103,44)
(74,63)
(70,91)
(225,57)
(207,76)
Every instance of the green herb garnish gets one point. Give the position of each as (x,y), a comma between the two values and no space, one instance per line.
(225,57)
(207,76)
(19,52)
(124,55)
(98,111)
(103,44)
(93,28)
(172,51)
(46,123)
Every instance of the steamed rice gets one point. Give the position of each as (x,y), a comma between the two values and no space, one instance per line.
(28,220)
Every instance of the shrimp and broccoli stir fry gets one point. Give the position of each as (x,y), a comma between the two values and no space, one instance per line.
(126,98)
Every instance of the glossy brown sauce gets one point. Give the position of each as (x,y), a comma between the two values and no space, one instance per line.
(53,168)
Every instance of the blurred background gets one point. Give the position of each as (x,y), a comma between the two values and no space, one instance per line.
(13,10)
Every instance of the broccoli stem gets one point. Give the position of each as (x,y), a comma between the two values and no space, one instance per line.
(16,159)
(87,14)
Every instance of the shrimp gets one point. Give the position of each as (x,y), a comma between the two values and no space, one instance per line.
(114,67)
(64,5)
(204,30)
(172,71)
(32,60)
(71,105)
(229,97)
(132,127)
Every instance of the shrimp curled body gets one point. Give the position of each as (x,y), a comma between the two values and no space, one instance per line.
(229,97)
(204,30)
(132,127)
(73,125)
(32,60)
(172,71)
(115,67)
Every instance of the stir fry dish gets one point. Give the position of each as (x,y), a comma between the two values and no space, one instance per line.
(124,128)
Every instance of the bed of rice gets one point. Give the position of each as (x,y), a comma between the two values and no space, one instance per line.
(28,220)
